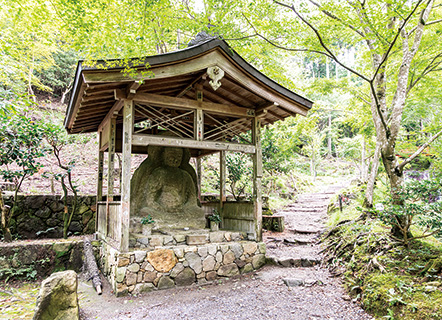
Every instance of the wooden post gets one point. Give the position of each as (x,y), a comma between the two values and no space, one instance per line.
(222,183)
(199,117)
(198,176)
(257,176)
(111,160)
(99,179)
(124,215)
(222,177)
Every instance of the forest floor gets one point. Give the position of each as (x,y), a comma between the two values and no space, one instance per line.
(297,287)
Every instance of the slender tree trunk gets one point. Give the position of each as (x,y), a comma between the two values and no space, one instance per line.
(329,140)
(4,220)
(363,162)
(368,201)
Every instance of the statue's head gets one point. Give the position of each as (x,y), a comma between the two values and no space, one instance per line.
(172,156)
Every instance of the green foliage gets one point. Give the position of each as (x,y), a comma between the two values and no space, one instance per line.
(147,220)
(60,76)
(239,173)
(215,216)
(20,144)
(418,205)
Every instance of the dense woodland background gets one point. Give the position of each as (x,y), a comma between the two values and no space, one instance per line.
(373,69)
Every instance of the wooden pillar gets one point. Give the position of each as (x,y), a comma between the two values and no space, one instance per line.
(199,116)
(257,176)
(124,215)
(222,177)
(99,178)
(198,176)
(111,159)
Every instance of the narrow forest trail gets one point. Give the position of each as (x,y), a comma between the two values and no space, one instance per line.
(305,219)
(296,287)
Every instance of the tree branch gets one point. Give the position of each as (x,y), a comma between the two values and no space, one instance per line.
(432,66)
(282,47)
(418,151)
(433,22)
(387,53)
(331,15)
(321,41)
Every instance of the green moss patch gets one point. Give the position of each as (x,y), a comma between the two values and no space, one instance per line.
(391,282)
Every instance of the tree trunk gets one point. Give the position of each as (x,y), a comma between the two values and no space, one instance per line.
(4,220)
(368,201)
(90,266)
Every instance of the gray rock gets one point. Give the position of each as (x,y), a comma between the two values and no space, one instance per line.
(209,263)
(247,268)
(75,226)
(228,270)
(293,282)
(176,270)
(202,251)
(140,256)
(216,237)
(120,274)
(194,261)
(165,283)
(58,298)
(143,287)
(211,249)
(309,262)
(237,250)
(258,261)
(185,278)
(229,257)
(43,213)
(134,267)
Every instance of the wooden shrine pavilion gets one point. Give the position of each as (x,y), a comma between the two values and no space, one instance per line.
(205,96)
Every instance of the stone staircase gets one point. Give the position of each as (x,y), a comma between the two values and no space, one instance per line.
(304,220)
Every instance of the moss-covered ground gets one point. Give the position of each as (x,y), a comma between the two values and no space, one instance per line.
(391,281)
(17,299)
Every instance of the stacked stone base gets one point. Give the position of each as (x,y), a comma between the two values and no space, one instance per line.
(165,267)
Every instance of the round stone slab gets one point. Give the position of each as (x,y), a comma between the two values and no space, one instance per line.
(163,260)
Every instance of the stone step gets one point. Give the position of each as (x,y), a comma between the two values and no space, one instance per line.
(299,282)
(289,262)
(301,210)
(306,230)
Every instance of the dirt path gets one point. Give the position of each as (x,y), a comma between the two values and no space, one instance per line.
(296,288)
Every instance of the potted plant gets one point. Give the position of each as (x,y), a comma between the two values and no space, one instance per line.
(147,223)
(215,220)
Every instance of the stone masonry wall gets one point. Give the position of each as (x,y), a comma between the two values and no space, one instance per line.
(39,258)
(41,216)
(182,265)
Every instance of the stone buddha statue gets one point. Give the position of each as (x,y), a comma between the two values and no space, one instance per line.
(164,187)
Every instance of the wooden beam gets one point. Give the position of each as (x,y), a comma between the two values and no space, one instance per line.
(112,112)
(128,124)
(145,140)
(189,87)
(274,114)
(131,89)
(180,103)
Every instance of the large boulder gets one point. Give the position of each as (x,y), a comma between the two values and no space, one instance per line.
(57,299)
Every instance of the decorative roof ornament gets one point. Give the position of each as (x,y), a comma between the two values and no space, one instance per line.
(216,74)
(200,38)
